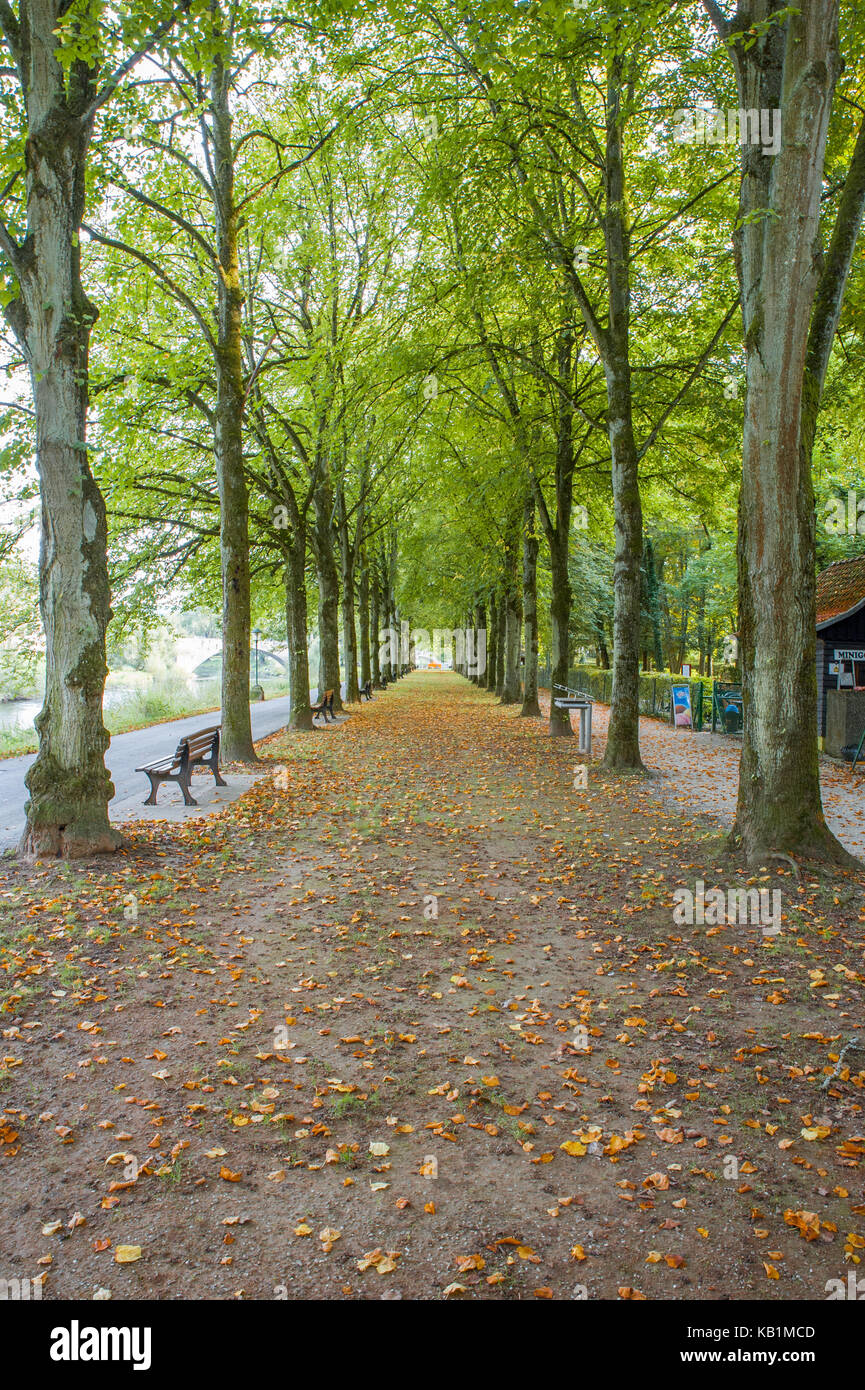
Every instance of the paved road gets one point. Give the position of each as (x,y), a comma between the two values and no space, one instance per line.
(126,752)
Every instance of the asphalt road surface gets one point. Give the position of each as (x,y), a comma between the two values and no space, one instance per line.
(126,752)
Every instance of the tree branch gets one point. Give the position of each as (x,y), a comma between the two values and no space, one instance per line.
(833,281)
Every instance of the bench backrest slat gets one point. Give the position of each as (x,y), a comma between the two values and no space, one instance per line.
(193,744)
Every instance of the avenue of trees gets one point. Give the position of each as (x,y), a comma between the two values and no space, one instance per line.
(336,315)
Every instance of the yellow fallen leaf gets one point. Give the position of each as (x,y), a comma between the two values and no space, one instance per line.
(127,1254)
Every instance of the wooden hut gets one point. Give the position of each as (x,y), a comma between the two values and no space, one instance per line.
(841,654)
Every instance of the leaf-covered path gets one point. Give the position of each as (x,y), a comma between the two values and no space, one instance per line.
(700,773)
(413,1019)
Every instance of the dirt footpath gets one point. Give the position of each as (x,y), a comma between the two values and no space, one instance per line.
(415,1019)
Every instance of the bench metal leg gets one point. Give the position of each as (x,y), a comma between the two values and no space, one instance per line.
(184,787)
(154,787)
(213,764)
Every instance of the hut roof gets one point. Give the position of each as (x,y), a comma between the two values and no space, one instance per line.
(840,590)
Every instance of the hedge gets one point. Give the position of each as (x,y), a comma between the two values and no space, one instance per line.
(655,691)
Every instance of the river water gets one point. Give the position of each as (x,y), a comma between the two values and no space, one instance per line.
(19,714)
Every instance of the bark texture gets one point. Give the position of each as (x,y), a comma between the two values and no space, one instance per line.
(52,318)
(329,677)
(623,736)
(531,709)
(300,707)
(790,316)
(237,744)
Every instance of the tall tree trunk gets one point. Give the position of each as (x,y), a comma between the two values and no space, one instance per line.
(623,734)
(560,618)
(603,652)
(363,604)
(513,629)
(349,550)
(531,708)
(386,619)
(349,634)
(558,531)
(793,68)
(701,627)
(52,318)
(328,594)
(652,596)
(300,710)
(69,784)
(349,638)
(393,611)
(480,652)
(501,640)
(237,742)
(513,617)
(375,621)
(492,642)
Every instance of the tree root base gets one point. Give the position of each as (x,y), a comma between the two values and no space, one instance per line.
(813,844)
(67,841)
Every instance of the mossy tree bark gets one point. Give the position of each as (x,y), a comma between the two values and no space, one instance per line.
(237,744)
(279,481)
(348,558)
(349,552)
(52,318)
(513,615)
(790,313)
(375,619)
(480,651)
(492,641)
(557,530)
(323,537)
(623,734)
(363,599)
(300,707)
(560,617)
(652,596)
(501,639)
(531,709)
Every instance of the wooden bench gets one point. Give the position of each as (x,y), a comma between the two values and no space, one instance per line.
(325,706)
(201,747)
(366,691)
